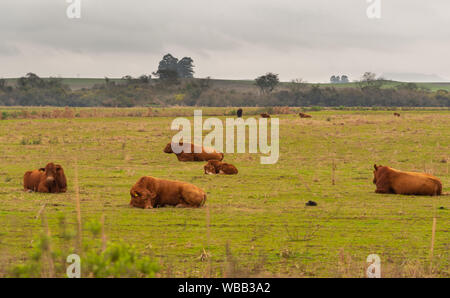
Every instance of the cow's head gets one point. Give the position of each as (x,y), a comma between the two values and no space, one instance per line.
(50,173)
(375,173)
(210,169)
(142,194)
(54,174)
(168,148)
(60,177)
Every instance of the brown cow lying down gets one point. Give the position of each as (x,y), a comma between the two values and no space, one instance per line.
(205,155)
(49,179)
(150,192)
(389,180)
(265,115)
(396,114)
(303,115)
(218,167)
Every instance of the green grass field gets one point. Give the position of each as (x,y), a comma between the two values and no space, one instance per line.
(255,223)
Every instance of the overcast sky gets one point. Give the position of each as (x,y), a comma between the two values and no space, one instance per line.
(232,39)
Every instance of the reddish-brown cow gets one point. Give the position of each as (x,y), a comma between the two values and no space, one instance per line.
(389,180)
(150,192)
(303,115)
(205,154)
(50,179)
(218,167)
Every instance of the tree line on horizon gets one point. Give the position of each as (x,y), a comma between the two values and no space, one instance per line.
(176,85)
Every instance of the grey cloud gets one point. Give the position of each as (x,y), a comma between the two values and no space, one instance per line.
(205,27)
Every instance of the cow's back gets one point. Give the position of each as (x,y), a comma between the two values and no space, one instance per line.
(31,180)
(172,192)
(412,183)
(206,154)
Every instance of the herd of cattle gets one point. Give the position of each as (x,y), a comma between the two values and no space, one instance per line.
(151,192)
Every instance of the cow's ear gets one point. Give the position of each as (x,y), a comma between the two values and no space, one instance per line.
(42,169)
(58,167)
(149,188)
(375,166)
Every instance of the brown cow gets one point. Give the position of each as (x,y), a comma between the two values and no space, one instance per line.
(303,115)
(150,192)
(265,115)
(205,155)
(218,167)
(50,179)
(389,180)
(396,114)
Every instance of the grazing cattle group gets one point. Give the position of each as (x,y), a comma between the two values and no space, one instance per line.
(150,192)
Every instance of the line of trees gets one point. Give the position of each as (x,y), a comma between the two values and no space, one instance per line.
(183,89)
(336,79)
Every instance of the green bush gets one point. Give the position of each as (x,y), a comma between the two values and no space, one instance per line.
(115,260)
(118,260)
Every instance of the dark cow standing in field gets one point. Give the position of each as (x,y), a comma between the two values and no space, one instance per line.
(218,167)
(396,114)
(150,192)
(50,179)
(303,115)
(205,154)
(389,180)
(265,115)
(239,113)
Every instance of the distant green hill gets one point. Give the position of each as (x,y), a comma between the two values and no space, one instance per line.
(239,85)
(391,84)
(75,83)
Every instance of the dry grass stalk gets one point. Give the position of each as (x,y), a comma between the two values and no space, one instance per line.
(103,232)
(433,234)
(78,209)
(40,211)
(304,183)
(208,237)
(333,172)
(47,249)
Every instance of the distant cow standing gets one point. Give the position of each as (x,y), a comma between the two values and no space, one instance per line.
(265,115)
(389,180)
(396,114)
(205,154)
(50,179)
(303,115)
(218,167)
(239,113)
(150,192)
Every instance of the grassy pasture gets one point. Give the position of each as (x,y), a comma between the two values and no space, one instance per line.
(255,223)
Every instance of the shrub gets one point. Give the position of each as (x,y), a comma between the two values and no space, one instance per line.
(114,260)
